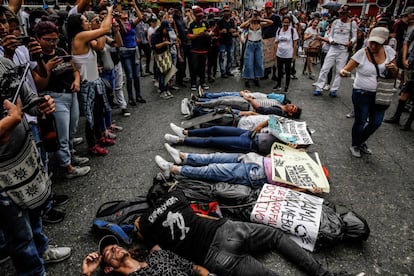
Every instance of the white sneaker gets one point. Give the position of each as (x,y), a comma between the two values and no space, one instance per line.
(56,254)
(77,141)
(78,160)
(169,94)
(175,153)
(164,165)
(177,130)
(171,139)
(327,87)
(355,151)
(164,95)
(77,172)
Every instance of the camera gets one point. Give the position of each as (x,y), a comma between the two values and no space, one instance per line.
(24,40)
(66,58)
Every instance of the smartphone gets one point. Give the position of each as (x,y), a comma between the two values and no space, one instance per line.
(24,40)
(66,58)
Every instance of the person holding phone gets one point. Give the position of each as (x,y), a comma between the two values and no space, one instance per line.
(63,84)
(253,68)
(92,94)
(21,227)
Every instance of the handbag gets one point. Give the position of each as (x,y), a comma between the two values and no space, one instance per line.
(23,178)
(385,87)
(314,48)
(48,132)
(163,61)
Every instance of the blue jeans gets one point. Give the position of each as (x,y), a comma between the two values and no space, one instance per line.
(225,167)
(253,61)
(132,73)
(215,95)
(226,48)
(67,118)
(364,107)
(25,241)
(234,241)
(223,137)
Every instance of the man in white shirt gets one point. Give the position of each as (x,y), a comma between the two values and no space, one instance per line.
(343,35)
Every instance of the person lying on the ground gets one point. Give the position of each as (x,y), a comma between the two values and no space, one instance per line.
(205,96)
(222,246)
(337,222)
(114,259)
(227,138)
(249,169)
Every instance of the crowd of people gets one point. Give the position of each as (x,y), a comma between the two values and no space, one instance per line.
(79,60)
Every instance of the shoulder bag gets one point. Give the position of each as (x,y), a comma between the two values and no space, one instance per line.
(385,87)
(23,178)
(163,61)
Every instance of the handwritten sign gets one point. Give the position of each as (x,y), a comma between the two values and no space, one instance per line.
(289,131)
(297,214)
(268,52)
(297,168)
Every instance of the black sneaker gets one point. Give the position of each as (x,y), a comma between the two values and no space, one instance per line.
(230,74)
(141,100)
(132,103)
(247,84)
(256,83)
(125,112)
(205,86)
(53,216)
(59,200)
(224,76)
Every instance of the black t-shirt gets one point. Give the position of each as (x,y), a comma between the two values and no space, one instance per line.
(158,38)
(61,77)
(226,38)
(200,44)
(270,31)
(174,226)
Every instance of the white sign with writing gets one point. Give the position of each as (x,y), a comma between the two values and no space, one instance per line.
(289,131)
(298,168)
(295,213)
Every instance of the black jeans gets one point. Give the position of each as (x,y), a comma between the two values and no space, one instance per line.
(229,252)
(283,63)
(212,61)
(198,68)
(147,52)
(95,133)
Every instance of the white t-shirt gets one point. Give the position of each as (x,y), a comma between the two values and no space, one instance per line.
(311,31)
(366,74)
(285,42)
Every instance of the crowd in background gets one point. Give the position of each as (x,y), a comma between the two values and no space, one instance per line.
(81,57)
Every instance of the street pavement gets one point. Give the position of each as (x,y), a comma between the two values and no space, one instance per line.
(380,187)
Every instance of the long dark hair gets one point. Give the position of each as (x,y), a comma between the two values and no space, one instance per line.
(74,26)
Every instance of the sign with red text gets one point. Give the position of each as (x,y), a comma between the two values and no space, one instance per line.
(295,213)
(297,168)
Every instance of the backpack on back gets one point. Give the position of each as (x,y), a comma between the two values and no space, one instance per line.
(117,218)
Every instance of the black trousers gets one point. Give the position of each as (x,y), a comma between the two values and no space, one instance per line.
(198,68)
(283,65)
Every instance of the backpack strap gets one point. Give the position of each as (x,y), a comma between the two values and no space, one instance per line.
(373,61)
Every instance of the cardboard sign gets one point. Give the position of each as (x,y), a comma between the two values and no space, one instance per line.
(268,52)
(289,131)
(297,214)
(297,168)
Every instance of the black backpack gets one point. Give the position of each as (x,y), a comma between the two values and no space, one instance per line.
(118,217)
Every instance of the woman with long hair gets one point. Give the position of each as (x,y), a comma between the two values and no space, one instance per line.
(92,96)
(253,68)
(311,34)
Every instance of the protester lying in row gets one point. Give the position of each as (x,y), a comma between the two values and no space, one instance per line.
(228,138)
(202,96)
(222,246)
(261,106)
(337,223)
(249,169)
(114,259)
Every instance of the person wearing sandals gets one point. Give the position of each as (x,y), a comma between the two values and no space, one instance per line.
(92,96)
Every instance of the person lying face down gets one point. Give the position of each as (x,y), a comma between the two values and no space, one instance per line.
(113,258)
(222,246)
(249,169)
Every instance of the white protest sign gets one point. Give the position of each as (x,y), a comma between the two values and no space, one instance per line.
(289,131)
(295,213)
(297,168)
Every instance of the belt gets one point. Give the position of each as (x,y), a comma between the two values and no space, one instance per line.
(257,41)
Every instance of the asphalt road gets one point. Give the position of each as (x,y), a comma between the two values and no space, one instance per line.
(380,187)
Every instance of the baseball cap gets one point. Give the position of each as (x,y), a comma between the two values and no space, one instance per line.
(105,241)
(268,5)
(283,7)
(226,8)
(198,11)
(379,35)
